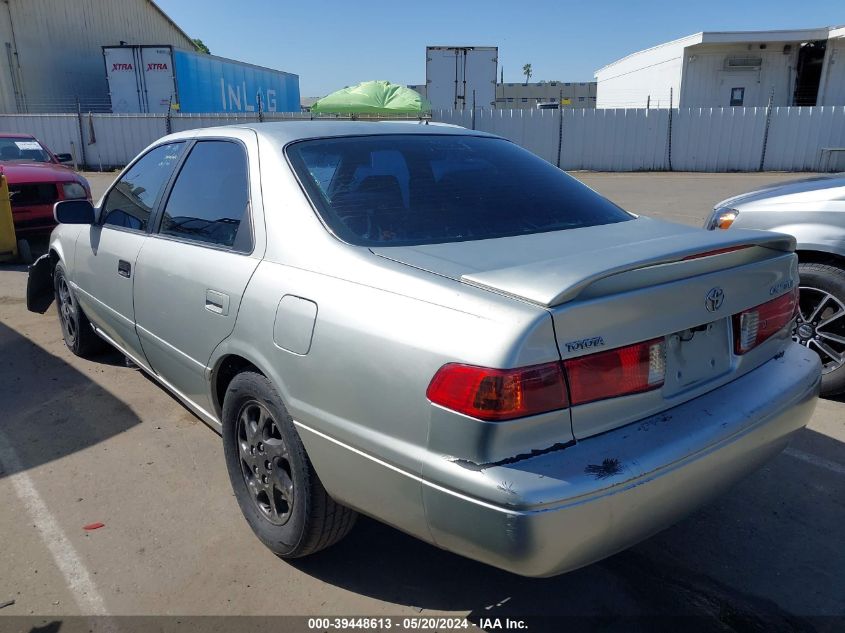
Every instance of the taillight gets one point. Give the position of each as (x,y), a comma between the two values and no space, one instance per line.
(752,327)
(505,394)
(499,394)
(617,372)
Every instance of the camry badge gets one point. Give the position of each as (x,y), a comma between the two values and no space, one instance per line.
(714,299)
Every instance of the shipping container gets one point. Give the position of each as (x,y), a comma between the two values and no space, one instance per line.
(157,78)
(458,76)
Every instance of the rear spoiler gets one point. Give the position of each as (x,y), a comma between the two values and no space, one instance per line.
(555,281)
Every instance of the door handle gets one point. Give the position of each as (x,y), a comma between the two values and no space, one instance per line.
(217,302)
(124,268)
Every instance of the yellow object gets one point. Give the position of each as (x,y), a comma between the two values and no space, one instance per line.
(566,101)
(8,242)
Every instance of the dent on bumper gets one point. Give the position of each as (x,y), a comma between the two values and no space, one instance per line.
(567,508)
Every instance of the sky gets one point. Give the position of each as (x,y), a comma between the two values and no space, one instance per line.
(331,44)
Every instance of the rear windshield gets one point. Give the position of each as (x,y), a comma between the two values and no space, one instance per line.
(401,190)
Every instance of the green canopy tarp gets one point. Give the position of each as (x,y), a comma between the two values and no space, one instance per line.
(373,97)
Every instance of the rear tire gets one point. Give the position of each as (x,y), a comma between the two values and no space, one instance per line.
(77,332)
(821,324)
(275,484)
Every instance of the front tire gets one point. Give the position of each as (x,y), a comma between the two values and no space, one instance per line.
(77,332)
(821,322)
(275,484)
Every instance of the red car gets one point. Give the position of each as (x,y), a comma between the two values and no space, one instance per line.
(37,180)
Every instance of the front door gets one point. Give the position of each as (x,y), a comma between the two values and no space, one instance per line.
(107,252)
(192,272)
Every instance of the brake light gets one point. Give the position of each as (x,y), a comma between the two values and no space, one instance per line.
(617,372)
(499,394)
(718,251)
(752,327)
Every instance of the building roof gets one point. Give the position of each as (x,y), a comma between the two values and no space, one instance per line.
(170,20)
(740,37)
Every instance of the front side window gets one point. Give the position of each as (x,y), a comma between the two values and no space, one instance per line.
(133,198)
(398,190)
(209,199)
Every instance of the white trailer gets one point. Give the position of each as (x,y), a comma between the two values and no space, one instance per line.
(458,76)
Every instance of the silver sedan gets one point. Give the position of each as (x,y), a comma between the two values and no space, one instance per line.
(434,327)
(812,210)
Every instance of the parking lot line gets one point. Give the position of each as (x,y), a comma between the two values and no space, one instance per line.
(839,469)
(76,575)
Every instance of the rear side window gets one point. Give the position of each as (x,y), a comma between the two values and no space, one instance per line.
(423,189)
(208,202)
(132,199)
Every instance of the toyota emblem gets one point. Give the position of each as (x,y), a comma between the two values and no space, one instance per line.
(714,299)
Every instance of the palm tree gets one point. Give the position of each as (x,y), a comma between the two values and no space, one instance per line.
(526,70)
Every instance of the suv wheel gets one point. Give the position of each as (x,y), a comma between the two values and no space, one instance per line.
(820,325)
(275,484)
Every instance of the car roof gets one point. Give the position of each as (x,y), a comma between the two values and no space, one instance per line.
(284,132)
(15,135)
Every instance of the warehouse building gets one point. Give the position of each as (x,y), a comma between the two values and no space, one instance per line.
(52,52)
(514,96)
(569,94)
(803,67)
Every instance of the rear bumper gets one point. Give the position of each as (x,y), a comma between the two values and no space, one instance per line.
(564,509)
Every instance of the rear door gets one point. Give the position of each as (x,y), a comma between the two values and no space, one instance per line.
(443,88)
(106,253)
(124,79)
(159,86)
(192,273)
(480,76)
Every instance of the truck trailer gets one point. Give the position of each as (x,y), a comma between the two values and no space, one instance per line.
(157,79)
(460,77)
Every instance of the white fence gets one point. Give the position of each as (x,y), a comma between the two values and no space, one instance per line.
(689,139)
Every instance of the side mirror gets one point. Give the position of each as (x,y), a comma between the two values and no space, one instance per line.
(74,212)
(64,158)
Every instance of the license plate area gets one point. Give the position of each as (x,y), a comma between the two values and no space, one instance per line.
(697,355)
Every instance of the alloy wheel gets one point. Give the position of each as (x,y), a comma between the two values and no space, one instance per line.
(820,326)
(265,462)
(67,311)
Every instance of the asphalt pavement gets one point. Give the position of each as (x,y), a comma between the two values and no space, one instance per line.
(88,442)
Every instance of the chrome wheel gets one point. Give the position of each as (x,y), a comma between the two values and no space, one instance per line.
(67,312)
(820,326)
(265,462)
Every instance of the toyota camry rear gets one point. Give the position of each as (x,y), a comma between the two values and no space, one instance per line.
(437,328)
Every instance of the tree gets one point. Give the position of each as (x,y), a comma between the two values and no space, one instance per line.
(201,47)
(526,70)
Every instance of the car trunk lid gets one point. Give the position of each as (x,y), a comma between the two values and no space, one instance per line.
(616,285)
(553,268)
